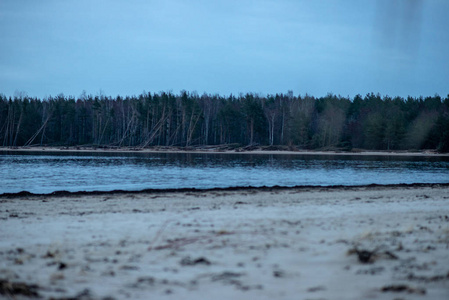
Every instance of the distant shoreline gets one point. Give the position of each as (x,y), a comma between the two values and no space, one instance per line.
(224,150)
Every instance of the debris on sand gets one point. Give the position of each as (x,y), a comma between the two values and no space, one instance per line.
(403,288)
(365,256)
(369,257)
(278,274)
(83,295)
(428,278)
(316,289)
(11,289)
(233,279)
(188,261)
(225,276)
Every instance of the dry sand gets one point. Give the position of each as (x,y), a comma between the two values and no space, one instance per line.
(242,244)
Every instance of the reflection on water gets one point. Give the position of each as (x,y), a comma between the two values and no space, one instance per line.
(48,172)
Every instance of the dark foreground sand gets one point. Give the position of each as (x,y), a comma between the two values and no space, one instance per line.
(314,243)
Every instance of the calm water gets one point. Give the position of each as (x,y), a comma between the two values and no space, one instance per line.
(48,172)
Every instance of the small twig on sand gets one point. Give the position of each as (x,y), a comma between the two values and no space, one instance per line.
(158,234)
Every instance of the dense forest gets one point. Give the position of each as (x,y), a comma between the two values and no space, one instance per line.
(189,119)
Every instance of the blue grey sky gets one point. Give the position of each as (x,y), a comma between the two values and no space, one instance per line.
(345,47)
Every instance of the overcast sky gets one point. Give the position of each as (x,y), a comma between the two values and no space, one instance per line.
(346,47)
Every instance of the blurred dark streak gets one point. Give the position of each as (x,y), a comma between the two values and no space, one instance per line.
(398,25)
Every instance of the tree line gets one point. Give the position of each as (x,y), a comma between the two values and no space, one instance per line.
(189,119)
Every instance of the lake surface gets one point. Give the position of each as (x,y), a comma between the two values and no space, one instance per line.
(46,172)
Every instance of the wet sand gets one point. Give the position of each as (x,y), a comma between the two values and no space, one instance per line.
(373,242)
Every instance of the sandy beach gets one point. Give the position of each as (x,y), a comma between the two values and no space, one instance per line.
(374,242)
(224,149)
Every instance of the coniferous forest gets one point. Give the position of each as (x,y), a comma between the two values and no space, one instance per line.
(189,119)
